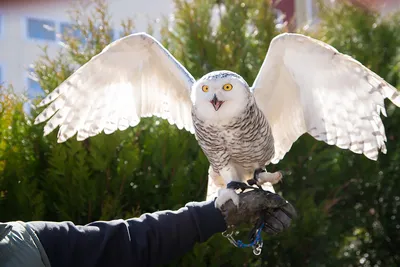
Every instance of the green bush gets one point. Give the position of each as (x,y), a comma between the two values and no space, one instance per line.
(347,204)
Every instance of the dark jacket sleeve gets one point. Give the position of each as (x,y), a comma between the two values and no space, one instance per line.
(150,240)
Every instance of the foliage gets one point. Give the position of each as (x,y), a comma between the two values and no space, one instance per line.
(347,204)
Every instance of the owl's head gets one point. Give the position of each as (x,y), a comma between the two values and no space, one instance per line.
(220,96)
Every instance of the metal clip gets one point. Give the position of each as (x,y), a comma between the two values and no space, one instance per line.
(230,238)
(256,244)
(257,248)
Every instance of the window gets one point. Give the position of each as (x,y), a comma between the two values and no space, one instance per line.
(66,28)
(34,89)
(41,29)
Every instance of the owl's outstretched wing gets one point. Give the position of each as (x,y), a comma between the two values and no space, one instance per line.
(305,85)
(131,78)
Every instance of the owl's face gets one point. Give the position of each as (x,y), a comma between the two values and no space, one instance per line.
(220,96)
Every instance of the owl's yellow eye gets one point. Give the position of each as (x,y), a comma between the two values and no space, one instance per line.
(204,88)
(227,87)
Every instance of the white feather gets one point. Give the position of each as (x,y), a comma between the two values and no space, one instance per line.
(305,85)
(131,78)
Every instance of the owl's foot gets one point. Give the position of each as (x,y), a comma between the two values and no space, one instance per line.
(261,176)
(238,185)
(272,178)
(224,195)
(254,181)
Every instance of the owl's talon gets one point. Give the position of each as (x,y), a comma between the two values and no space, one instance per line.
(255,180)
(224,195)
(237,185)
(252,182)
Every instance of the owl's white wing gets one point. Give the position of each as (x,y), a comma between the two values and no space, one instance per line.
(305,85)
(131,78)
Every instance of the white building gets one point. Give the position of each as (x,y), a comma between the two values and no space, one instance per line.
(24,27)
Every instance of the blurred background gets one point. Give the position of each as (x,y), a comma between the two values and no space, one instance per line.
(348,206)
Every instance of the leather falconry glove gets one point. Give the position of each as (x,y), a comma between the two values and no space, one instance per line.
(258,206)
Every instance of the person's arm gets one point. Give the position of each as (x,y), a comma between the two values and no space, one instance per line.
(150,240)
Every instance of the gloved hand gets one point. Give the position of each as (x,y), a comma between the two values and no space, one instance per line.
(276,212)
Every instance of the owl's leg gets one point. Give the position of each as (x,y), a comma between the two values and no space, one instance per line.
(232,180)
(261,176)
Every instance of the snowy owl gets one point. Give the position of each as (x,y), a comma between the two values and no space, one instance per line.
(303,86)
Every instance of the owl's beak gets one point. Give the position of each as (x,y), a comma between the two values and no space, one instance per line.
(216,103)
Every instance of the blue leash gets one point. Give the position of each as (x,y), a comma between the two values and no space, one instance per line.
(256,244)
